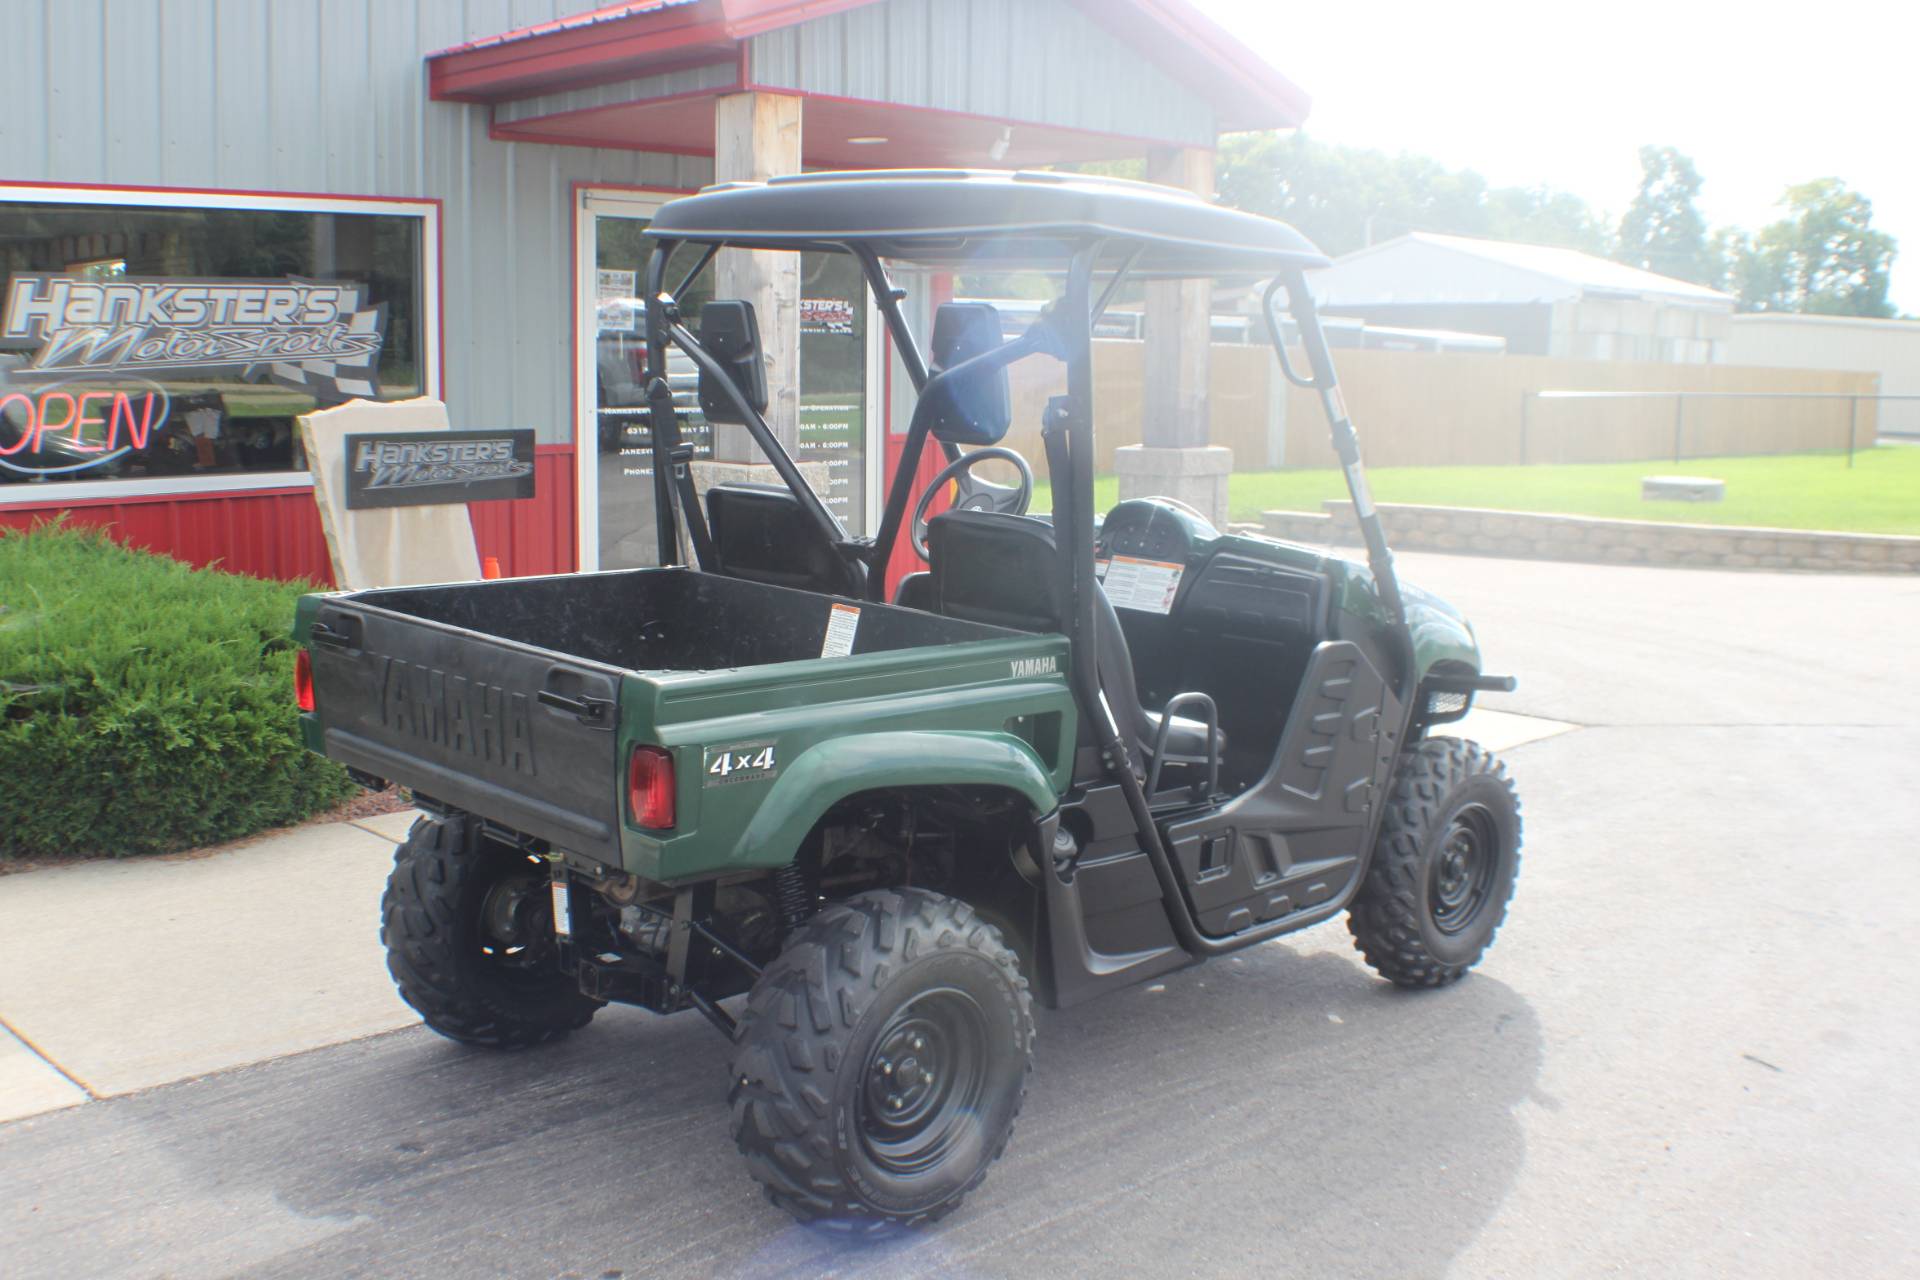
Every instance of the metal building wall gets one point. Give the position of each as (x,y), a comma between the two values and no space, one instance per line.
(330,96)
(1017,59)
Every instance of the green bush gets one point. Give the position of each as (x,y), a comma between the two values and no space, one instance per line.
(145,706)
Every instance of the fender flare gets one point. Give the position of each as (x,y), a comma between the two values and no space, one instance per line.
(828,773)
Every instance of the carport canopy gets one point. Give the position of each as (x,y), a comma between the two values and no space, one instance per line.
(887,83)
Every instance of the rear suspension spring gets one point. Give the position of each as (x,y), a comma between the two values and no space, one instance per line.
(793,897)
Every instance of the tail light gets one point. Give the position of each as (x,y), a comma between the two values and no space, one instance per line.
(650,787)
(303,680)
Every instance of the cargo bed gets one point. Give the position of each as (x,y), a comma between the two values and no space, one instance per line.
(503,697)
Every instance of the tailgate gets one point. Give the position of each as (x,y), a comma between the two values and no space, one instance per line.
(511,732)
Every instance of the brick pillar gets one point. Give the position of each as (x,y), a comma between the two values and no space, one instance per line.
(1174,459)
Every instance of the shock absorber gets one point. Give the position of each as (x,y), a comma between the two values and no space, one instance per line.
(793,897)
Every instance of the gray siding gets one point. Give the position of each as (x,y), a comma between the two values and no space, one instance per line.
(330,96)
(1041,60)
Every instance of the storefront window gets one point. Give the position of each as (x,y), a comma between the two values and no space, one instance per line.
(141,342)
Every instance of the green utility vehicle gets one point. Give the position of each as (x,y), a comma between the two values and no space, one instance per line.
(1073,754)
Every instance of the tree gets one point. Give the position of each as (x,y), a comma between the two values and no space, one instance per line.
(1541,215)
(1824,257)
(1345,197)
(1662,230)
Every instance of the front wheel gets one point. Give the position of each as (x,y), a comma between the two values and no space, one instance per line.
(881,1061)
(1443,866)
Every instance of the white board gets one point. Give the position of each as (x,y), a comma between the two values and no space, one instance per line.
(384,546)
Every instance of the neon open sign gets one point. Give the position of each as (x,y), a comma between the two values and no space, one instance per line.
(79,428)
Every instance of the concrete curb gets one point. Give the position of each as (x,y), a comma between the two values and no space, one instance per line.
(1531,535)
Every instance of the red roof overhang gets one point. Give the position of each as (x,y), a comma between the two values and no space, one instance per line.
(623,41)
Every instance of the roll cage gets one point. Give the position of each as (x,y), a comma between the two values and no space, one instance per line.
(1104,232)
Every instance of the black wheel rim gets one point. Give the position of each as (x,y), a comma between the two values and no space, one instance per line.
(1460,879)
(923,1081)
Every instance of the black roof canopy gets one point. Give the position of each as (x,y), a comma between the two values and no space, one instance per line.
(962,218)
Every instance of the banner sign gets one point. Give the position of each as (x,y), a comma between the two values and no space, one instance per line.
(429,468)
(619,310)
(826,316)
(310,335)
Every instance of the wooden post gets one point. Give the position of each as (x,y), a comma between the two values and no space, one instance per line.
(1179,324)
(1173,458)
(757,136)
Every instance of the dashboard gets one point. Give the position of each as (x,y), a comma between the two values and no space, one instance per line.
(1160,557)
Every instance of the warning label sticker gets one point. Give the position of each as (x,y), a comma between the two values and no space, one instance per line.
(1146,585)
(843,620)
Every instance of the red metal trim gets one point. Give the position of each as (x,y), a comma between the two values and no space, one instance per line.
(591,17)
(206,495)
(495,66)
(561,59)
(276,532)
(1245,89)
(147,499)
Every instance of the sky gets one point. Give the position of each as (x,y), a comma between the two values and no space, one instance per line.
(1761,95)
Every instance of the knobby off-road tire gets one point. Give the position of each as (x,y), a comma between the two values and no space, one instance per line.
(880,1062)
(1443,867)
(463,978)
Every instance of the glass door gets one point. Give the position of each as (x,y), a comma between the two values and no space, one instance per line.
(613,443)
(839,357)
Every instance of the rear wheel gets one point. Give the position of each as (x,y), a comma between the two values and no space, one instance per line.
(468,926)
(881,1061)
(1443,867)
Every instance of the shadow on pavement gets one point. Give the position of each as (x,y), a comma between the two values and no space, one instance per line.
(1280,1112)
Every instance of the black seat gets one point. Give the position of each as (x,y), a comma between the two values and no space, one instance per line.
(762,534)
(1004,570)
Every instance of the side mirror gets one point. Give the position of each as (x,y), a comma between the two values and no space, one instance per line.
(977,409)
(731,334)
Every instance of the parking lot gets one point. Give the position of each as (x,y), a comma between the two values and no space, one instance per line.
(1689,1052)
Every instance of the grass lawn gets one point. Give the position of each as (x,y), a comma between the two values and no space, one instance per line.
(1881,494)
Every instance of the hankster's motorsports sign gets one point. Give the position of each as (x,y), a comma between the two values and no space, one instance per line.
(428,468)
(310,335)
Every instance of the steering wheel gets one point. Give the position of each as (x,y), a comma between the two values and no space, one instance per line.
(975,495)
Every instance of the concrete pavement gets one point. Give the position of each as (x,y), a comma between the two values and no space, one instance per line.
(119,976)
(1689,1053)
(230,958)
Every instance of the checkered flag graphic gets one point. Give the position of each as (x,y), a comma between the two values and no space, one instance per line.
(331,381)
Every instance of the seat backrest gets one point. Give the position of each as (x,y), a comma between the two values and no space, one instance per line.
(1004,570)
(762,534)
(998,569)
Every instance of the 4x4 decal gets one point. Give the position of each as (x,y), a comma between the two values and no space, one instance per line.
(746,762)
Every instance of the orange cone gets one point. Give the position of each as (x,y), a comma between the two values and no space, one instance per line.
(490,567)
